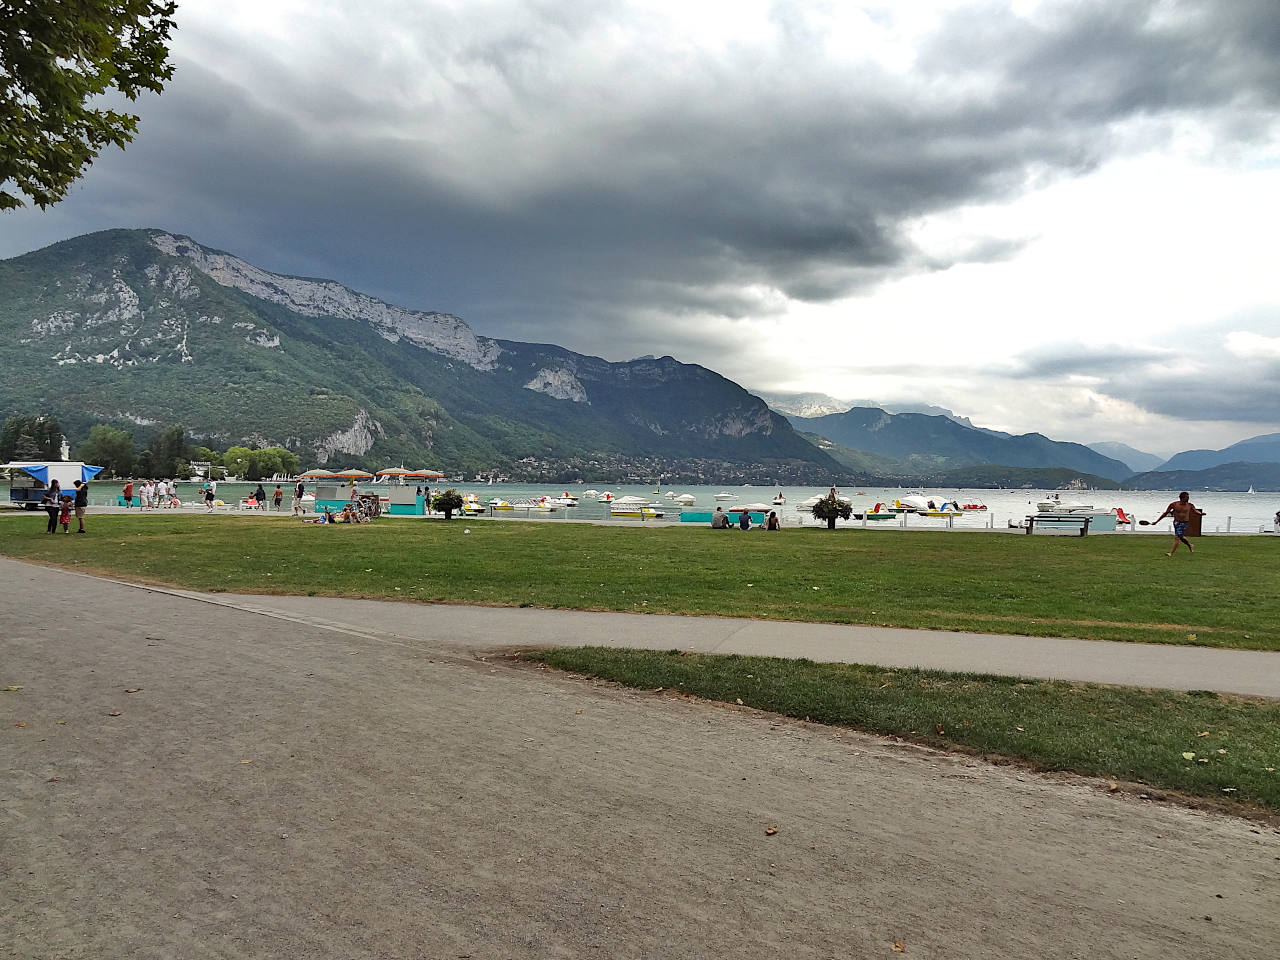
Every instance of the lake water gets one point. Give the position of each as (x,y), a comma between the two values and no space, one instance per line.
(1245,512)
(1224,512)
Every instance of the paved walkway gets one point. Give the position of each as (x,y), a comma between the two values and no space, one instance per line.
(190,777)
(479,629)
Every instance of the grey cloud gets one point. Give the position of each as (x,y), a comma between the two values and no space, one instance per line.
(1064,360)
(506,170)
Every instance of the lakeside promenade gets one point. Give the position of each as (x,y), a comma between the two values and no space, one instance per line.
(194,778)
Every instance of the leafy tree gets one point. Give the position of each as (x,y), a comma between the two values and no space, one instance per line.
(447,502)
(110,449)
(56,58)
(168,448)
(182,470)
(30,438)
(830,507)
(262,464)
(204,454)
(237,460)
(269,461)
(289,462)
(26,448)
(145,465)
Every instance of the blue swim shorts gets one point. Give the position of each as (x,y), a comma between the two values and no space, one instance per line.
(1179,527)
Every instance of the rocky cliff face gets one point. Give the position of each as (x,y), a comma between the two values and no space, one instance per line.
(144,328)
(439,332)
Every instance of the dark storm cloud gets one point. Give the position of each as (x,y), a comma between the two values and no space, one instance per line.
(522,173)
(1203,380)
(1074,359)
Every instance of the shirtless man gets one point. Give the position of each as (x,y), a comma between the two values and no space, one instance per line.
(1181,511)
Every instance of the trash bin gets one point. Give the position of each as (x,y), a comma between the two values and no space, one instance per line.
(1193,524)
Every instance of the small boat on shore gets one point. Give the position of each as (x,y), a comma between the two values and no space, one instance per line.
(878,512)
(635,507)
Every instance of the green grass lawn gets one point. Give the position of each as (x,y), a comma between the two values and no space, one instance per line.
(1198,744)
(1117,587)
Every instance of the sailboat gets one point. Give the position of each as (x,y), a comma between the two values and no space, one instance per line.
(1251,490)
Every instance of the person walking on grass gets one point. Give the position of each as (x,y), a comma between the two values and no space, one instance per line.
(1181,510)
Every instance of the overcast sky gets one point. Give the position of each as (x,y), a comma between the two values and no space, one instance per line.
(1046,216)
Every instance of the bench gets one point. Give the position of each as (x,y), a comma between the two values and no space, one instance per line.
(1068,522)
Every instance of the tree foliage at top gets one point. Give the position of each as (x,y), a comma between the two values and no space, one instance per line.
(110,449)
(447,502)
(829,508)
(30,438)
(55,59)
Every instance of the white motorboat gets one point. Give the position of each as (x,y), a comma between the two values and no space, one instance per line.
(606,497)
(685,499)
(565,500)
(779,500)
(635,507)
(591,493)
(1055,504)
(722,495)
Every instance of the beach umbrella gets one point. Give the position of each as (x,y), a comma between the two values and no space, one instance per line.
(396,472)
(353,474)
(315,474)
(425,474)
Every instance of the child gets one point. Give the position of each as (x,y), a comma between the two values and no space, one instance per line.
(65,517)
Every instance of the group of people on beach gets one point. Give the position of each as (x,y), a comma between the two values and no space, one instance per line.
(61,506)
(152,494)
(353,512)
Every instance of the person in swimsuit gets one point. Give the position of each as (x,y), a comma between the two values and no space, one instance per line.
(1181,510)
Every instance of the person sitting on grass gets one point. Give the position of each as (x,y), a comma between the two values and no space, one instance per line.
(721,520)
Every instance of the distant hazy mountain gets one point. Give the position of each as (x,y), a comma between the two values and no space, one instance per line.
(1225,476)
(811,405)
(804,404)
(140,328)
(1263,449)
(1134,459)
(906,435)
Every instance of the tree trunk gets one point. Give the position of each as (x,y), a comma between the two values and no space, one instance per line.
(831,523)
(448,513)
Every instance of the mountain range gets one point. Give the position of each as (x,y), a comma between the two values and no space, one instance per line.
(951,444)
(1263,449)
(142,328)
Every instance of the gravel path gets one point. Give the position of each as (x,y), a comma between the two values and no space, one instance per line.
(195,780)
